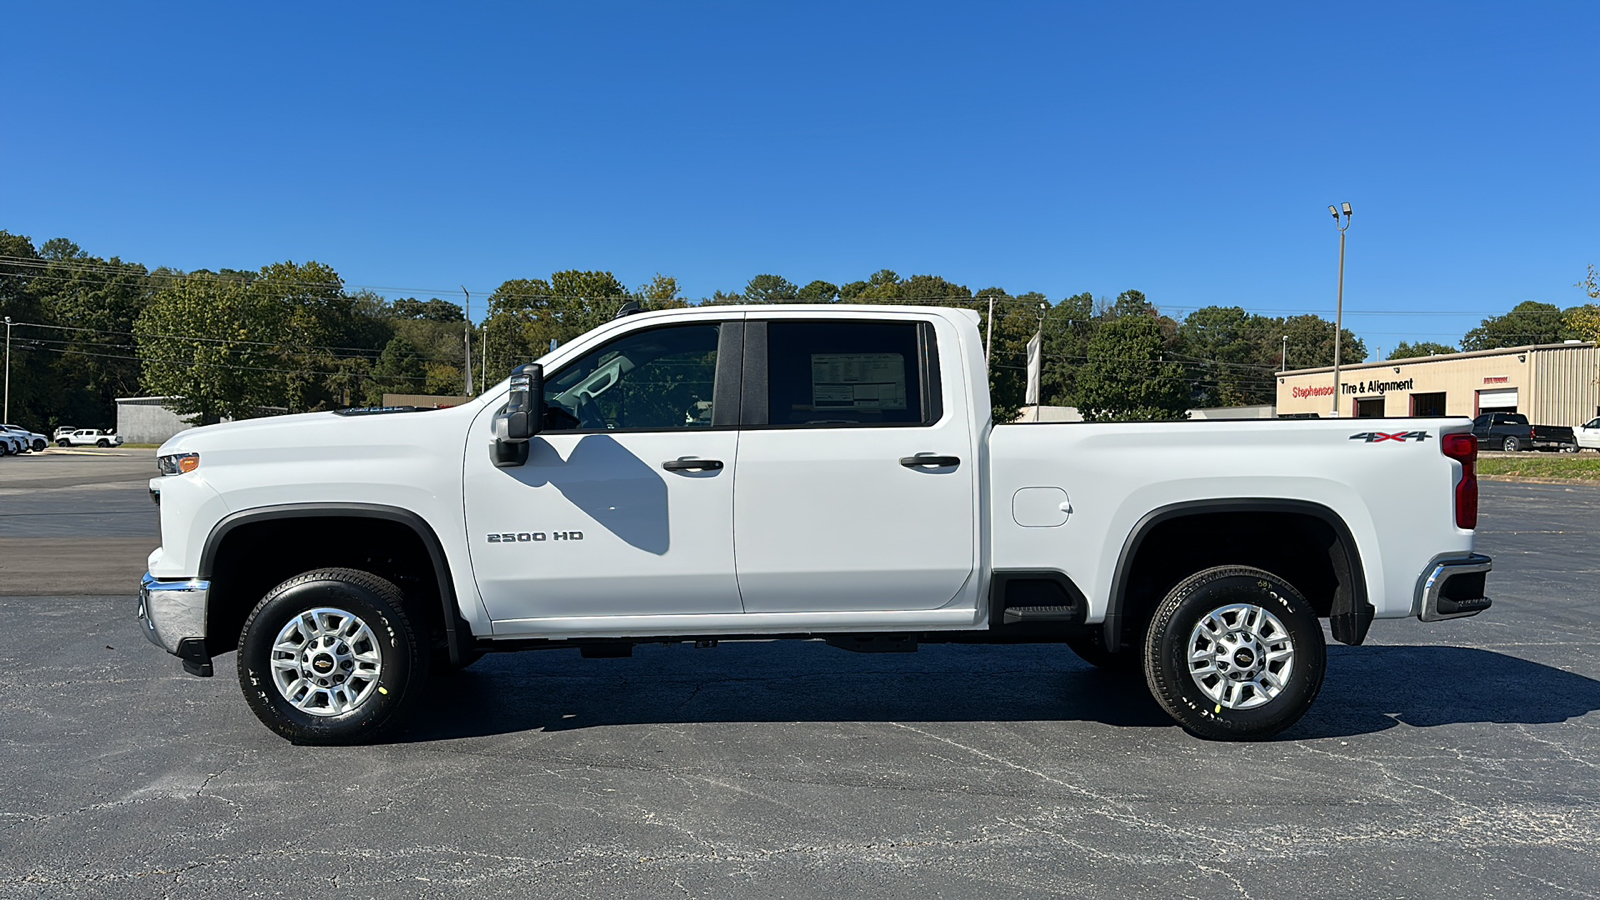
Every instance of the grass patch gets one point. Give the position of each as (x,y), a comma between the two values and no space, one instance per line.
(140,446)
(1581,466)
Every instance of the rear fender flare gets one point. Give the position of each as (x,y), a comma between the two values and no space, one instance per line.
(1351,614)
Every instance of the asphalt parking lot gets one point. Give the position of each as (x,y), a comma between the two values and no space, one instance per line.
(1449,760)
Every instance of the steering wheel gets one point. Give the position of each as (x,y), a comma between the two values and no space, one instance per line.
(589,414)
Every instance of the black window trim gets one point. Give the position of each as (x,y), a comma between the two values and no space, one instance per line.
(725,389)
(754,414)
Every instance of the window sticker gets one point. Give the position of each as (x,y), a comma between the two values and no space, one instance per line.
(858,381)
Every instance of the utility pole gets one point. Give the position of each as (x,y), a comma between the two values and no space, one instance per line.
(7,417)
(1338,322)
(1283,362)
(466,338)
(483,361)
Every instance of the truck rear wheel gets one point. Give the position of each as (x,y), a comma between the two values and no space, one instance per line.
(1235,653)
(330,657)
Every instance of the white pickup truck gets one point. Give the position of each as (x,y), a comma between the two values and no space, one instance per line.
(811,472)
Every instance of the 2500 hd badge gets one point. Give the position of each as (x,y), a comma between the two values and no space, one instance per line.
(523,537)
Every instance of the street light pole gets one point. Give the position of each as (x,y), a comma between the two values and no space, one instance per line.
(1283,361)
(1338,322)
(7,417)
(466,340)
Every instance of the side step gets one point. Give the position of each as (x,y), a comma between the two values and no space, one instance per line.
(1067,615)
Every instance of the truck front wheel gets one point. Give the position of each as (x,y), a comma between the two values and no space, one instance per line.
(330,657)
(1235,653)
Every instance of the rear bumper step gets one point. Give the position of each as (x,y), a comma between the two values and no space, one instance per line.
(1454,588)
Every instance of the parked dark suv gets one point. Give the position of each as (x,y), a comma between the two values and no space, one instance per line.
(1511,432)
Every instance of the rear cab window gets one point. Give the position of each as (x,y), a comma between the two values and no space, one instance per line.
(846,374)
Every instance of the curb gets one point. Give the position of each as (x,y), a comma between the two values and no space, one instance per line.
(1530,479)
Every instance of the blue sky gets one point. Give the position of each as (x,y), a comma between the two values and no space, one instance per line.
(1187,150)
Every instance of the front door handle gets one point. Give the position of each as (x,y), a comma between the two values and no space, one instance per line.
(690,464)
(929,461)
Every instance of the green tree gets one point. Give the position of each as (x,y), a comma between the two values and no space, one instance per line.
(1068,327)
(819,292)
(662,292)
(216,346)
(1311,342)
(1584,321)
(96,302)
(883,287)
(400,370)
(1529,322)
(1127,378)
(431,310)
(1420,348)
(527,314)
(36,391)
(770,289)
(1231,363)
(933,289)
(319,319)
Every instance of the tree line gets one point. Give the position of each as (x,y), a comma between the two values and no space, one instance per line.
(290,337)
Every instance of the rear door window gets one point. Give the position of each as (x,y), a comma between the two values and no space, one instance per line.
(848,374)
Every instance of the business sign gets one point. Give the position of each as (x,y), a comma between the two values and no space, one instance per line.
(1376,387)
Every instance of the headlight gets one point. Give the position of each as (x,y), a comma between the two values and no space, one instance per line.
(178,463)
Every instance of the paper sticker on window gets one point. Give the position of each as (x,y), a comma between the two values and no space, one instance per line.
(858,381)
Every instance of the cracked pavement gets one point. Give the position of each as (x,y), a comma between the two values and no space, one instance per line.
(1449,760)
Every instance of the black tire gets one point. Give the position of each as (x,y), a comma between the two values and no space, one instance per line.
(384,699)
(39,445)
(1091,648)
(1511,445)
(102,443)
(1176,624)
(63,443)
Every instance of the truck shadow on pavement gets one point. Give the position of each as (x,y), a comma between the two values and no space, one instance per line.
(1369,689)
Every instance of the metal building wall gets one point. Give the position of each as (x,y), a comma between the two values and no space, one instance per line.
(1564,385)
(143,420)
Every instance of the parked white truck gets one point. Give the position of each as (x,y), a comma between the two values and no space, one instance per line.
(813,472)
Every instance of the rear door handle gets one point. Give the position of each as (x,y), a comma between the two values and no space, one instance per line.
(929,461)
(690,464)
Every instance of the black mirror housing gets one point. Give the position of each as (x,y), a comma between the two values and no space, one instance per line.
(525,410)
(522,419)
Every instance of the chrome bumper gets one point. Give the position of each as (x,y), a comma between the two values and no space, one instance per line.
(1454,588)
(173,611)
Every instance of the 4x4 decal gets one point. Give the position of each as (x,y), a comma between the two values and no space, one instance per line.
(1378,437)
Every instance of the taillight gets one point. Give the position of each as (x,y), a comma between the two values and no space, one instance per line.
(1463,448)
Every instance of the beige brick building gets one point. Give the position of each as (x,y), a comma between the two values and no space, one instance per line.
(1552,384)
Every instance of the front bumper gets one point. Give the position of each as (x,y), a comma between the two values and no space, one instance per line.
(174,617)
(1454,588)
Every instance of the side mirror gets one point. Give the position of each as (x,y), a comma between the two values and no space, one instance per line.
(522,418)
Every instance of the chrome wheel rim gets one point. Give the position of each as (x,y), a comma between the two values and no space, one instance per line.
(326,662)
(1240,656)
